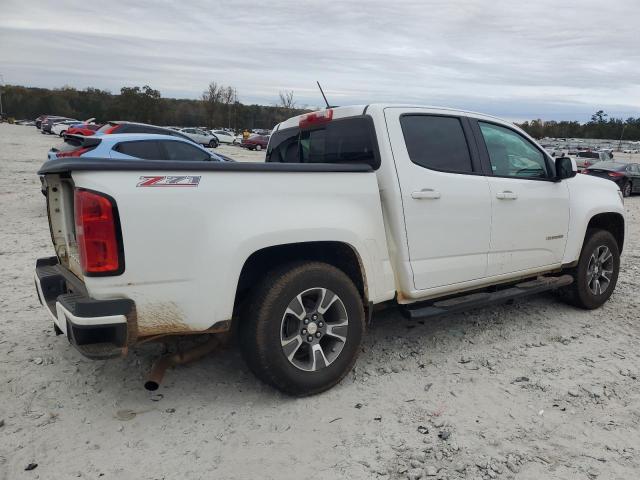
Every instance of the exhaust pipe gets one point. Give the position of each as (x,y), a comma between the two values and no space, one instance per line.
(180,358)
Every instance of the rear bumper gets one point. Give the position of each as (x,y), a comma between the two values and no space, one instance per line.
(97,328)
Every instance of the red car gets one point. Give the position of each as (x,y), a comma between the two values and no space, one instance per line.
(256,142)
(87,129)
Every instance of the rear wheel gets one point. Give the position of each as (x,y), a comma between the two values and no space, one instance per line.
(626,189)
(213,143)
(258,147)
(301,330)
(596,274)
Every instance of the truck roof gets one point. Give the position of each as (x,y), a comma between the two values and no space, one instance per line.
(356,110)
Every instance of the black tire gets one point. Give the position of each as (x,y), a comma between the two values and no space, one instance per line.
(213,144)
(263,319)
(627,188)
(580,293)
(258,147)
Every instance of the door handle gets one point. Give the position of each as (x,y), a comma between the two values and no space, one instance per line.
(425,193)
(506,195)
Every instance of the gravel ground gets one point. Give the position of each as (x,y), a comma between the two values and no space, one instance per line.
(532,390)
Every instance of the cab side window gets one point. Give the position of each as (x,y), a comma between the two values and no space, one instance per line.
(436,143)
(512,155)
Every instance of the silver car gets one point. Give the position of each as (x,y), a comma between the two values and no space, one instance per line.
(201,136)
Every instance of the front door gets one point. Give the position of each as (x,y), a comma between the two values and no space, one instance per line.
(445,196)
(530,211)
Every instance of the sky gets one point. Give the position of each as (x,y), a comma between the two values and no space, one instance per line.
(550,59)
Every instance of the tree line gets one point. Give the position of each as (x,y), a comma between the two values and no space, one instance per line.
(600,126)
(218,106)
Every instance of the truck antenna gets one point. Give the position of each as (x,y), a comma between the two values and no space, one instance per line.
(323,95)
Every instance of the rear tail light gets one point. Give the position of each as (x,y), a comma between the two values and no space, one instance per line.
(316,118)
(615,174)
(98,234)
(74,153)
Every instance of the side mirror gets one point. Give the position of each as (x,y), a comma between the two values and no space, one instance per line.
(565,168)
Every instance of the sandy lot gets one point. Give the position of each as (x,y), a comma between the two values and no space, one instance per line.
(529,391)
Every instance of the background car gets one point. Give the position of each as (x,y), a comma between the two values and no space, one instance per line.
(201,136)
(86,129)
(39,120)
(626,175)
(114,127)
(255,142)
(587,159)
(133,146)
(223,136)
(61,128)
(50,121)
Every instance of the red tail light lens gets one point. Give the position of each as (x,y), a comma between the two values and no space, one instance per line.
(615,174)
(97,234)
(73,153)
(316,118)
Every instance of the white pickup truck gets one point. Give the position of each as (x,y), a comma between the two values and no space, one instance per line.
(427,209)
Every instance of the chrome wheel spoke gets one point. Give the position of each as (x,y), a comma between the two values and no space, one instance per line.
(605,255)
(296,308)
(318,360)
(327,298)
(338,330)
(291,345)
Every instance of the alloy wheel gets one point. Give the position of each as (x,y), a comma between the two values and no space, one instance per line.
(600,270)
(314,329)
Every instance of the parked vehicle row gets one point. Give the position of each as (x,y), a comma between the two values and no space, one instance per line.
(124,146)
(59,125)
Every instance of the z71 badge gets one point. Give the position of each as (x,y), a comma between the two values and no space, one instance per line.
(169,181)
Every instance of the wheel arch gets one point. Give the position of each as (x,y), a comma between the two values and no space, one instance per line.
(339,254)
(612,222)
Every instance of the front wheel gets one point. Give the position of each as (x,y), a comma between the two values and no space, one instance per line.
(302,328)
(258,147)
(596,274)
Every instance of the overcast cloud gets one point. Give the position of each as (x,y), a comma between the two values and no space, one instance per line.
(541,58)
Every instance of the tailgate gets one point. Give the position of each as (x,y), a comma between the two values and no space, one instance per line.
(59,192)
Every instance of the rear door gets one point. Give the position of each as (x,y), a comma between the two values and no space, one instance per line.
(445,196)
(530,211)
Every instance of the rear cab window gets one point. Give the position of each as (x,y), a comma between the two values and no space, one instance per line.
(347,140)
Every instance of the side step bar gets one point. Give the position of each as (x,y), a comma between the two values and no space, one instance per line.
(481,299)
